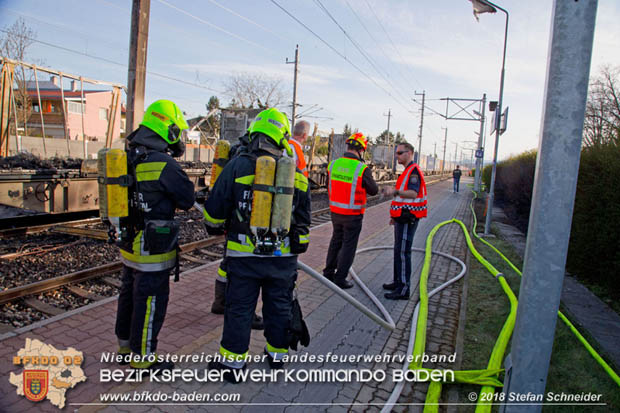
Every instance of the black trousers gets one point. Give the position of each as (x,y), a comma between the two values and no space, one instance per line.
(403,239)
(342,246)
(142,304)
(247,276)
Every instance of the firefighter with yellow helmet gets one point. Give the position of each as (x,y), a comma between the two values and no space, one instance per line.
(263,203)
(149,242)
(349,182)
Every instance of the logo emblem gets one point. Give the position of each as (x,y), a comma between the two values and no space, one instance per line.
(35,384)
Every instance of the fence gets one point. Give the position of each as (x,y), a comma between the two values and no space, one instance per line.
(65,107)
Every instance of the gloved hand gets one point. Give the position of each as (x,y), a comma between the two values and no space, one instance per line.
(297,331)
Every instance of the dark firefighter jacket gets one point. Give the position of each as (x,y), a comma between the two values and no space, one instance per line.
(230,203)
(161,187)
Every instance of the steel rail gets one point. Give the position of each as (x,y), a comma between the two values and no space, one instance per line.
(83,275)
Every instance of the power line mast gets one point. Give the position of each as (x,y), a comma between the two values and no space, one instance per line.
(136,74)
(389,141)
(423,94)
(296,62)
(445,143)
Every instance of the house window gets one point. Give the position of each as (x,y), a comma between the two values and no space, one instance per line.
(35,107)
(74,107)
(103,114)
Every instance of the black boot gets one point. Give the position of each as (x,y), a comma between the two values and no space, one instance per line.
(219,298)
(398,295)
(390,286)
(344,284)
(257,322)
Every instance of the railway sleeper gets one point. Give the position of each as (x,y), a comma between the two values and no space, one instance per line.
(43,307)
(79,291)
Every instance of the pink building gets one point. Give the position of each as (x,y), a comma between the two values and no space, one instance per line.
(96,107)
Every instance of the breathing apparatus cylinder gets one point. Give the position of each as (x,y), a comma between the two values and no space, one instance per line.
(113,186)
(283,198)
(222,150)
(264,176)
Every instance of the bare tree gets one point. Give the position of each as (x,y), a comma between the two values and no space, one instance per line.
(247,90)
(17,38)
(602,122)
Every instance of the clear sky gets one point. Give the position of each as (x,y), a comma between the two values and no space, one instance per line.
(410,46)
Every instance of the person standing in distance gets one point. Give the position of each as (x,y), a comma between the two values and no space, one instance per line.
(456,177)
(408,206)
(149,249)
(300,134)
(350,180)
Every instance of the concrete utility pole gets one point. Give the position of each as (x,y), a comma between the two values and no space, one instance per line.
(296,62)
(456,150)
(389,141)
(423,94)
(445,143)
(136,75)
(480,161)
(553,199)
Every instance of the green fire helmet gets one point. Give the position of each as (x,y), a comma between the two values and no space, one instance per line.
(272,123)
(165,119)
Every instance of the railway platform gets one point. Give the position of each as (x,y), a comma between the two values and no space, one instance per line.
(337,330)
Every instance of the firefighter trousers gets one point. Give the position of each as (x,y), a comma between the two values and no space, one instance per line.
(343,244)
(142,304)
(247,276)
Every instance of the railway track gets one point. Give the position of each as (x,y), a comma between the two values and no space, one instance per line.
(57,288)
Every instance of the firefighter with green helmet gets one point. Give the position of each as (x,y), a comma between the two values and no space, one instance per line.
(267,222)
(149,245)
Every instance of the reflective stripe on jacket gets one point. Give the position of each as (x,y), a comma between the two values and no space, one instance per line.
(147,176)
(298,154)
(416,206)
(346,194)
(141,260)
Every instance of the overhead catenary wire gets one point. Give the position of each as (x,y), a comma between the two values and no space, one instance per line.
(332,48)
(234,13)
(215,26)
(359,48)
(103,59)
(381,49)
(389,38)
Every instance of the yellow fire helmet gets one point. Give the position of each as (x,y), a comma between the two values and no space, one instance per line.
(166,119)
(358,139)
(272,123)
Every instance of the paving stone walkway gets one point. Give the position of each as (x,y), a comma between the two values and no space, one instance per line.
(336,328)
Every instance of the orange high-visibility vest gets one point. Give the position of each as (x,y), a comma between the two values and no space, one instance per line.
(416,206)
(346,195)
(298,154)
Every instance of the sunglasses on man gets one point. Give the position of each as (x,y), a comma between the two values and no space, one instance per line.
(401,152)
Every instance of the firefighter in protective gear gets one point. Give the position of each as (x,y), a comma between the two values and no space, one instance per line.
(219,292)
(149,249)
(300,134)
(349,182)
(252,269)
(408,206)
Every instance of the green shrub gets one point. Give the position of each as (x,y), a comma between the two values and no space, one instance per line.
(513,186)
(594,249)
